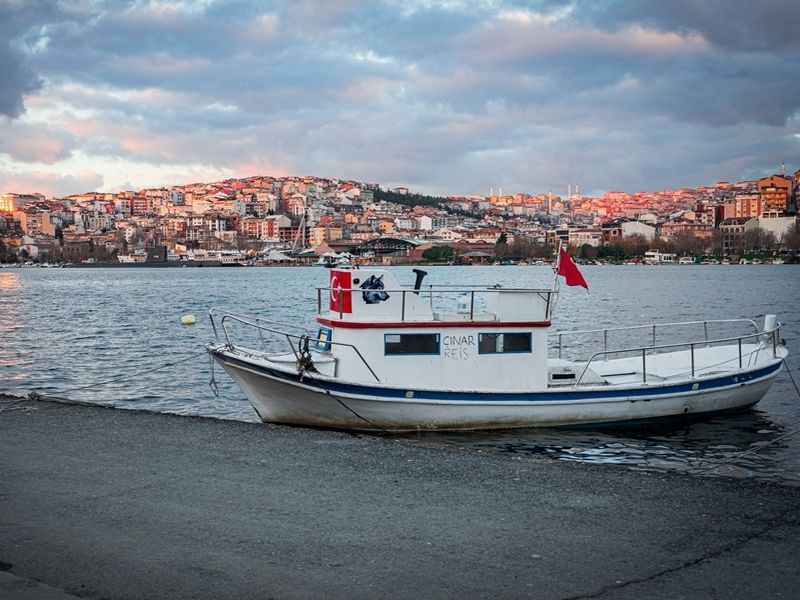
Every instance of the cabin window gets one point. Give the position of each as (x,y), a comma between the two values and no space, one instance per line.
(411,343)
(503,343)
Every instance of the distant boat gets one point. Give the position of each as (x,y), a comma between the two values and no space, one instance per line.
(332,259)
(136,257)
(655,257)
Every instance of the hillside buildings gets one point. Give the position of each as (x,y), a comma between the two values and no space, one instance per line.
(296,213)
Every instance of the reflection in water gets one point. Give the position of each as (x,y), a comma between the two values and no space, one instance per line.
(15,362)
(9,281)
(734,445)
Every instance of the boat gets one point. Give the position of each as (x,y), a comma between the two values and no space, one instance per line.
(387,357)
(654,257)
(136,257)
(333,259)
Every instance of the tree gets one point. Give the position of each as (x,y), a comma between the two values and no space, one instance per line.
(791,239)
(501,247)
(613,251)
(522,248)
(634,245)
(758,240)
(407,199)
(686,243)
(544,251)
(587,251)
(438,253)
(770,242)
(715,243)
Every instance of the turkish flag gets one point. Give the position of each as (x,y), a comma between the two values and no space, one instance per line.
(341,300)
(569,270)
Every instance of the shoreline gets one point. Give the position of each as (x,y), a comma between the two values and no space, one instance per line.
(216,263)
(130,504)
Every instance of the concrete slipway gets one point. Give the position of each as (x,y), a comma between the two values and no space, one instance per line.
(105,503)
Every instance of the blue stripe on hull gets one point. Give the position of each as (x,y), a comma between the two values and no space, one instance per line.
(644,394)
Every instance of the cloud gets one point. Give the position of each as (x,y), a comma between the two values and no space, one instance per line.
(35,143)
(50,184)
(733,25)
(445,97)
(18,80)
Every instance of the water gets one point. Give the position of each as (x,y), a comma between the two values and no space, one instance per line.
(64,329)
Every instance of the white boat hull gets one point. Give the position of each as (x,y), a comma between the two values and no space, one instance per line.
(280,395)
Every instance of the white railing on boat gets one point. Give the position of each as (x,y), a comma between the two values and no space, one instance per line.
(767,338)
(651,327)
(297,342)
(443,297)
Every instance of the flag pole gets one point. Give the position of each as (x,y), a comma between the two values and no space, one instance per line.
(554,289)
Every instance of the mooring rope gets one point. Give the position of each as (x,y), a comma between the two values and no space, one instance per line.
(37,396)
(758,447)
(340,401)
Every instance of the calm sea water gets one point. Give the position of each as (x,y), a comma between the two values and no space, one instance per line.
(118,330)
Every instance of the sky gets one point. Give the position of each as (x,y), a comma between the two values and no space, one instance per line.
(446,98)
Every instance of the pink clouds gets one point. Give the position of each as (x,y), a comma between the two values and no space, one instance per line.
(513,37)
(158,65)
(30,143)
(50,184)
(427,94)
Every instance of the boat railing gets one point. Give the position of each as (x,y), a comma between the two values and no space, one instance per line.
(651,329)
(295,341)
(767,339)
(467,299)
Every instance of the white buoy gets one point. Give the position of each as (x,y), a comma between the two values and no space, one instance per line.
(188,320)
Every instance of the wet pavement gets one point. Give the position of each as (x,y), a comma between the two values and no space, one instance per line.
(104,503)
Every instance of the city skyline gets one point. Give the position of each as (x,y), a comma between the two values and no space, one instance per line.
(442,98)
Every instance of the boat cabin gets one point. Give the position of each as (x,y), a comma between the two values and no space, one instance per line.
(434,337)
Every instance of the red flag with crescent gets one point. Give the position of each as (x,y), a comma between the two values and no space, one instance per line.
(340,284)
(569,270)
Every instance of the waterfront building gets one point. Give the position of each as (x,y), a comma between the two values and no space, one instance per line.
(733,231)
(777,224)
(592,237)
(671,229)
(616,230)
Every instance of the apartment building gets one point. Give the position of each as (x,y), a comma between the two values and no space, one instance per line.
(775,192)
